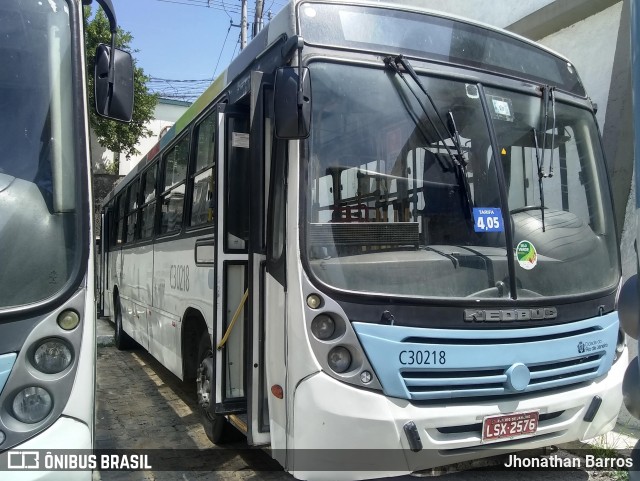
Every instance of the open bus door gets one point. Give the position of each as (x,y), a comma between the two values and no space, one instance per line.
(258,408)
(232,277)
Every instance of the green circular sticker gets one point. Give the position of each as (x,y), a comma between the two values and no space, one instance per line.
(526,255)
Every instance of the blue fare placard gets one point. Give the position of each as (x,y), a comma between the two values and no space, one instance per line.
(487,219)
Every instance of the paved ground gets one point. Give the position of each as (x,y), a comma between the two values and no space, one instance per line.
(141,405)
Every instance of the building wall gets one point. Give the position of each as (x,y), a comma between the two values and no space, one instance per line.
(165,114)
(498,13)
(590,45)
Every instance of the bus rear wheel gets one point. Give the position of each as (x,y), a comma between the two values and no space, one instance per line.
(122,340)
(215,425)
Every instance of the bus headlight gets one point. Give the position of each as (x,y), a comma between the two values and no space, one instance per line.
(32,405)
(52,356)
(323,327)
(339,359)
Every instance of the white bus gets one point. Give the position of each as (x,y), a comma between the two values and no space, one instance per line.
(47,311)
(379,229)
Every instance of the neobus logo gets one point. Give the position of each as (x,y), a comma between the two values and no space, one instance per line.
(506,315)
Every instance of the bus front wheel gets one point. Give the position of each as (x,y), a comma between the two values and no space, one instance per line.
(215,425)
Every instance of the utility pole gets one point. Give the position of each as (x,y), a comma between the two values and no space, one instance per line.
(257,22)
(243,26)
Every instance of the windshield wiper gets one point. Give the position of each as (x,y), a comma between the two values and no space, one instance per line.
(548,96)
(540,174)
(553,128)
(458,160)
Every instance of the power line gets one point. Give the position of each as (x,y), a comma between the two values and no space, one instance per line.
(191,89)
(222,50)
(213,5)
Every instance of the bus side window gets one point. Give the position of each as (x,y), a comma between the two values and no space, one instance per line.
(238,184)
(172,198)
(203,178)
(122,232)
(148,209)
(132,210)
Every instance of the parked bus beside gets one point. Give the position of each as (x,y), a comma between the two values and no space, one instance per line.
(47,312)
(381,228)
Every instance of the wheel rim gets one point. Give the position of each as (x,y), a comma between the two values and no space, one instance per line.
(204,381)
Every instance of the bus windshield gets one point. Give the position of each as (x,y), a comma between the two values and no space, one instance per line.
(38,221)
(404,198)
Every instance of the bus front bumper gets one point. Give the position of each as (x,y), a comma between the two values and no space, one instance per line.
(65,436)
(342,432)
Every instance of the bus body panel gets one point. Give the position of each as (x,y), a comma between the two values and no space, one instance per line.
(276,363)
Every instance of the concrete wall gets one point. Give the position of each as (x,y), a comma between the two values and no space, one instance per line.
(498,13)
(590,45)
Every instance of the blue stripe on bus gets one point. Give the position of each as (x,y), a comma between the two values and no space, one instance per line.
(6,364)
(427,364)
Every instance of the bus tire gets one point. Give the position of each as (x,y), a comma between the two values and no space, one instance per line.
(122,340)
(215,425)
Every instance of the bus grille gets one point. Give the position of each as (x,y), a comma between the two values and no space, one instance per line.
(449,384)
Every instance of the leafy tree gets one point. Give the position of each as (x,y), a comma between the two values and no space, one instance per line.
(118,137)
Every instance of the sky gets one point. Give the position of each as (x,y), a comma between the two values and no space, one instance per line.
(184,39)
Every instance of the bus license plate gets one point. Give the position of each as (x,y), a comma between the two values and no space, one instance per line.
(507,426)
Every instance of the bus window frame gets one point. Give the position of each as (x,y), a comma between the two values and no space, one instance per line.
(192,173)
(132,212)
(161,181)
(234,112)
(154,164)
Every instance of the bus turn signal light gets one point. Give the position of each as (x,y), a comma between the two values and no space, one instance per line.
(277,391)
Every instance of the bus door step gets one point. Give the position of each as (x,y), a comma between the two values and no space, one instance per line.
(232,407)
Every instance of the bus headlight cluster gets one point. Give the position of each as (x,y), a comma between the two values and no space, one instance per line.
(323,327)
(52,356)
(32,405)
(339,359)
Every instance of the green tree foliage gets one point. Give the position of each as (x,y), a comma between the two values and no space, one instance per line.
(118,137)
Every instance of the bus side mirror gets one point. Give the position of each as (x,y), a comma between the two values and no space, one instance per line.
(292,103)
(114,96)
(629,307)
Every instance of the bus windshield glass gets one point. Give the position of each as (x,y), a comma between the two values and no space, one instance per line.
(38,212)
(435,38)
(404,198)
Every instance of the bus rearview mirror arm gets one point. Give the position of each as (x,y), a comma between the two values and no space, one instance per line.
(113,76)
(292,98)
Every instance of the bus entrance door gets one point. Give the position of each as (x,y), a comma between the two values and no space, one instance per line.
(232,264)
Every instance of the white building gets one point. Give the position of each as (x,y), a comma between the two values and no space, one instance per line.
(167,111)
